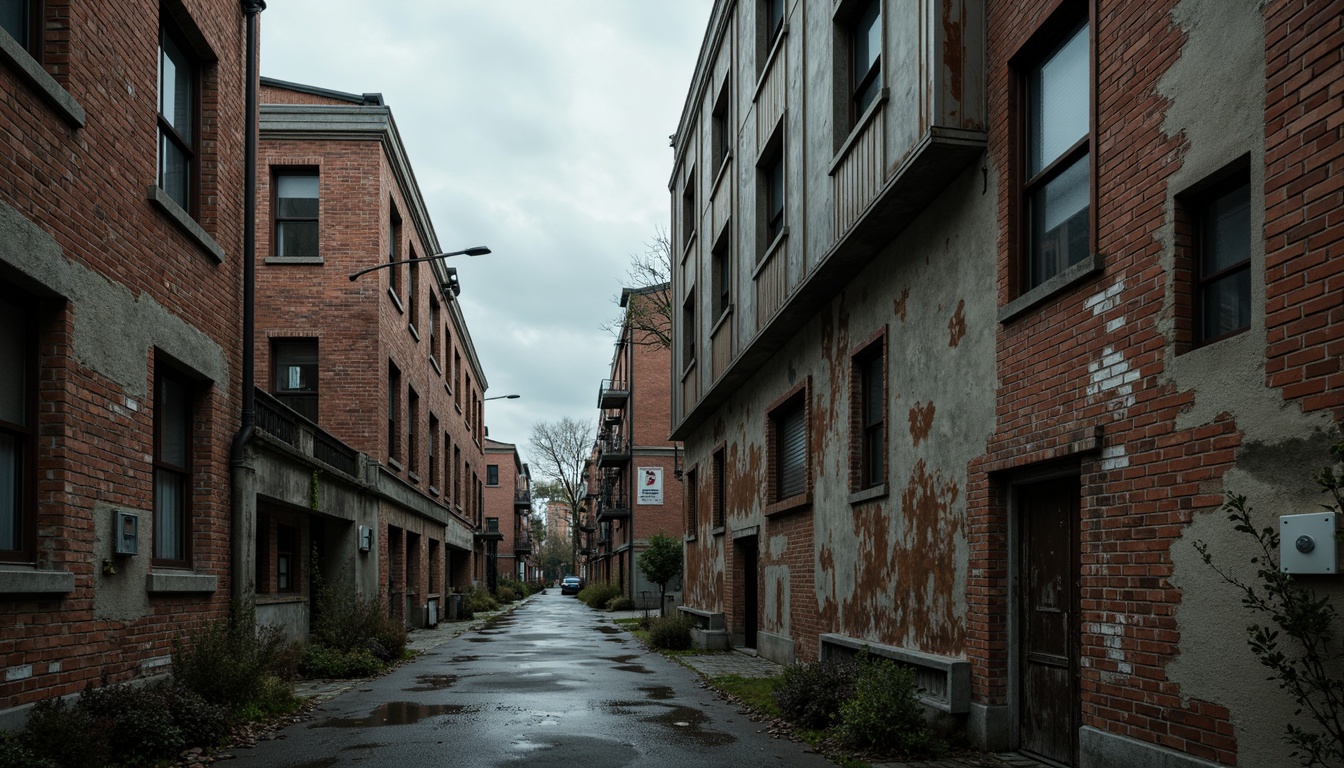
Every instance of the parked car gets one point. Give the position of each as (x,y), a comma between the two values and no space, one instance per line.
(571,585)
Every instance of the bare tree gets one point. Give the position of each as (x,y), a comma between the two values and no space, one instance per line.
(649,276)
(559,451)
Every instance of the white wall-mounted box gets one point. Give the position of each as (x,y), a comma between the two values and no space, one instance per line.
(365,538)
(1308,543)
(125,532)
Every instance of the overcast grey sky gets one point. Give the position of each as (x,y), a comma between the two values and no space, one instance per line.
(537,127)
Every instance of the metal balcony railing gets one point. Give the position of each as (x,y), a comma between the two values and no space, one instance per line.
(612,451)
(613,394)
(284,424)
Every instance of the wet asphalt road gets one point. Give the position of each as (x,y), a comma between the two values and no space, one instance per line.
(552,684)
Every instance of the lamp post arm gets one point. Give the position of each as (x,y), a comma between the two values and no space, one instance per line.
(479,250)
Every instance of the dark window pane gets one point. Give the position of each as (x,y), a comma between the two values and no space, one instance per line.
(1059,96)
(1059,220)
(11,487)
(170,495)
(1227,304)
(1227,231)
(13,366)
(14,20)
(874,454)
(175,88)
(174,171)
(865,63)
(791,452)
(296,239)
(174,421)
(776,18)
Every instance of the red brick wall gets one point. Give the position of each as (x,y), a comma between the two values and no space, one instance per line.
(86,188)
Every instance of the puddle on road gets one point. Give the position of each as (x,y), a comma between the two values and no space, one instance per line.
(395,713)
(621,640)
(480,639)
(325,762)
(370,745)
(658,692)
(607,629)
(687,724)
(635,668)
(432,683)
(464,659)
(626,659)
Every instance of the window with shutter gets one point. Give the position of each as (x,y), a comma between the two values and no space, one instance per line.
(788,464)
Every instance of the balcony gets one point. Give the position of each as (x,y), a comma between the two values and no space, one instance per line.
(522,499)
(613,394)
(613,451)
(284,424)
(491,530)
(522,544)
(613,507)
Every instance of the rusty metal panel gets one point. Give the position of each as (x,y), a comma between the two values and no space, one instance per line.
(952,54)
(1049,592)
(859,174)
(771,283)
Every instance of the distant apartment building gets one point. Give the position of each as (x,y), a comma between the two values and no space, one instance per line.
(508,510)
(370,447)
(980,311)
(634,484)
(121,253)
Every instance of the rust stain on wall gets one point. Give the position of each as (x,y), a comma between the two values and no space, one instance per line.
(827,402)
(921,421)
(957,325)
(952,54)
(898,304)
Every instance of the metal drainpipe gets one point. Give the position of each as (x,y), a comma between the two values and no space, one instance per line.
(241,520)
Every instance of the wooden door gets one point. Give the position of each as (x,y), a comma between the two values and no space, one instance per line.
(1048,630)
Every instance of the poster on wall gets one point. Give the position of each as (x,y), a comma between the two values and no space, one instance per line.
(650,485)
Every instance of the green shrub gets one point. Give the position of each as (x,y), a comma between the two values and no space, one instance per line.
(479,601)
(620,603)
(598,595)
(885,714)
(228,661)
(125,725)
(811,694)
(321,661)
(520,588)
(13,754)
(506,595)
(672,633)
(346,621)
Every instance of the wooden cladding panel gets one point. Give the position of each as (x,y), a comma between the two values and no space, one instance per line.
(771,284)
(722,204)
(770,100)
(690,390)
(721,349)
(858,177)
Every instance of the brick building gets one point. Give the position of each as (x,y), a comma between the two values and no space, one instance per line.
(508,509)
(121,253)
(380,371)
(980,314)
(634,484)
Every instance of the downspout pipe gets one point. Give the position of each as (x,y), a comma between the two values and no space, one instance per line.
(244,503)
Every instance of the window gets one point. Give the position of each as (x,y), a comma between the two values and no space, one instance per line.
(868,396)
(688,330)
(865,60)
(393,410)
(434,328)
(786,450)
(412,421)
(770,192)
(471,404)
(692,503)
(286,558)
(457,380)
(22,19)
(433,457)
(722,276)
(772,13)
(17,433)
(394,251)
(718,507)
(721,136)
(688,212)
(458,479)
(179,93)
(413,293)
(492,474)
(172,468)
(295,382)
(1056,184)
(296,203)
(1223,247)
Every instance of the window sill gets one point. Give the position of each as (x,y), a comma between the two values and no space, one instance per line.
(687,371)
(1056,285)
(393,463)
(179,582)
(295,260)
(795,503)
(717,531)
(869,494)
(27,67)
(413,477)
(723,318)
(435,365)
(720,174)
(414,333)
(169,206)
(770,252)
(433,489)
(691,537)
(770,61)
(21,580)
(688,246)
(396,300)
(281,598)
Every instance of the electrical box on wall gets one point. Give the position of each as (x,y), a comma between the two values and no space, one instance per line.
(1308,543)
(365,538)
(125,532)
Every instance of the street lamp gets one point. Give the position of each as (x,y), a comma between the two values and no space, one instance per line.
(475,250)
(504,397)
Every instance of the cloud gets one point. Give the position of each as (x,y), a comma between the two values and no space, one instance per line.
(536,127)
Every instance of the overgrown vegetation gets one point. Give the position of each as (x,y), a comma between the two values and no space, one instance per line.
(756,692)
(351,636)
(672,633)
(236,664)
(1295,636)
(597,595)
(478,600)
(620,603)
(811,694)
(884,714)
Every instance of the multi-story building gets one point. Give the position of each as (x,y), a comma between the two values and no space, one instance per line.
(380,363)
(634,483)
(981,311)
(121,251)
(508,510)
